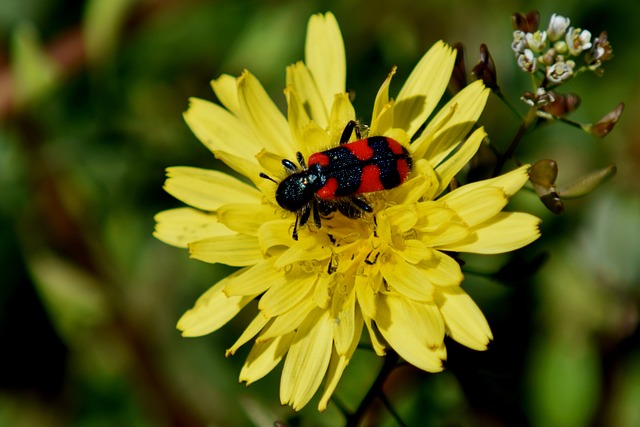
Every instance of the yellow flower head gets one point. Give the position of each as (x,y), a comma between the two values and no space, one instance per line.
(388,270)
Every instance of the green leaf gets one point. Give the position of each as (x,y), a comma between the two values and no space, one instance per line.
(103,21)
(34,73)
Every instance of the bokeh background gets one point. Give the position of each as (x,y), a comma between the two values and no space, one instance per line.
(91,97)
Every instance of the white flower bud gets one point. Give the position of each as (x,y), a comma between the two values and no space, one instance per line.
(560,47)
(557,27)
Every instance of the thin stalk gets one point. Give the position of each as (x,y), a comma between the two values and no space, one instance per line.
(506,102)
(530,120)
(390,362)
(392,410)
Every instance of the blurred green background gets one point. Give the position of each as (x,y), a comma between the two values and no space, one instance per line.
(91,97)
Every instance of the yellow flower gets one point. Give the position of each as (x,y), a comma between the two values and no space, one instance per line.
(388,271)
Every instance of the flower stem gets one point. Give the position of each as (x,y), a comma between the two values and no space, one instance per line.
(392,410)
(505,101)
(529,121)
(390,362)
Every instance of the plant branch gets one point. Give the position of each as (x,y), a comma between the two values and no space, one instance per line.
(529,121)
(390,362)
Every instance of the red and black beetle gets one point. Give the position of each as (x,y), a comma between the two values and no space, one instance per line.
(334,178)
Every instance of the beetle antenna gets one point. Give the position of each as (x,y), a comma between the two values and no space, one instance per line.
(289,166)
(300,159)
(265,176)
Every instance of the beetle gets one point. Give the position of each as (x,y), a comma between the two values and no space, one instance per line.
(334,179)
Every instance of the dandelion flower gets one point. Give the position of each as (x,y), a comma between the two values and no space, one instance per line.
(389,271)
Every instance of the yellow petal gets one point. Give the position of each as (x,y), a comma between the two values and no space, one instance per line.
(382,117)
(208,189)
(181,226)
(219,130)
(289,321)
(448,233)
(442,270)
(466,106)
(401,217)
(420,145)
(343,312)
(465,322)
(325,57)
(396,321)
(275,234)
(366,296)
(409,192)
(256,279)
(263,357)
(377,341)
(414,251)
(300,79)
(212,310)
(338,365)
(342,112)
(424,88)
(283,296)
(510,182)
(306,249)
(505,232)
(448,169)
(248,168)
(245,218)
(308,359)
(258,110)
(406,279)
(250,331)
(428,322)
(476,206)
(315,139)
(433,216)
(226,89)
(236,250)
(323,289)
(297,116)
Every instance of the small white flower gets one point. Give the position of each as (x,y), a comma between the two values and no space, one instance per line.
(578,40)
(519,42)
(561,71)
(538,99)
(557,27)
(537,41)
(527,61)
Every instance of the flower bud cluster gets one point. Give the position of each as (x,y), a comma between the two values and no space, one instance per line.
(554,51)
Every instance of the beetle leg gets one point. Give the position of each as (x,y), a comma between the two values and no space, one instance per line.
(361,204)
(294,235)
(348,130)
(304,215)
(316,214)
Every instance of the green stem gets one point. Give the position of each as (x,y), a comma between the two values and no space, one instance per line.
(506,102)
(571,123)
(392,410)
(390,362)
(530,120)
